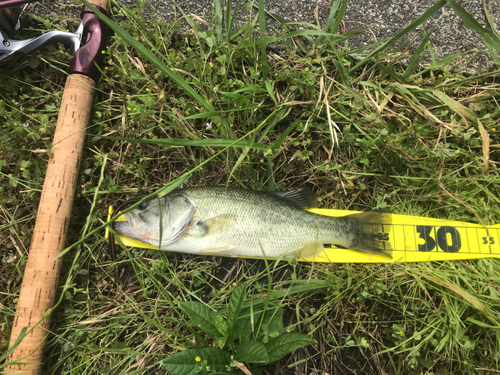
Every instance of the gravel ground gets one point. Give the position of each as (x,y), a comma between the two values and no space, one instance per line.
(379,19)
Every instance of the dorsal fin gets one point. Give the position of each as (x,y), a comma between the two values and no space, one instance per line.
(303,197)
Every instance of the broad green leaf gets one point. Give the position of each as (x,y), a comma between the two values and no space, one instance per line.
(282,345)
(221,341)
(246,322)
(273,320)
(201,316)
(303,286)
(252,352)
(235,304)
(185,363)
(220,324)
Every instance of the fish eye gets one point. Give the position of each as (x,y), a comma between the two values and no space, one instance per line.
(143,205)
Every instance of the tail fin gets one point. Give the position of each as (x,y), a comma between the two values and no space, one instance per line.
(372,233)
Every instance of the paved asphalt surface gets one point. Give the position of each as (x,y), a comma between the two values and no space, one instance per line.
(379,19)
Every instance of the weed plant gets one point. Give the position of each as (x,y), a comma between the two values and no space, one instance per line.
(215,104)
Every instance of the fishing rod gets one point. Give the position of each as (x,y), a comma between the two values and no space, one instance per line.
(40,281)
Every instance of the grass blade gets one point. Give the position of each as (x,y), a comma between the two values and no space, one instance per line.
(172,74)
(338,18)
(219,20)
(192,143)
(263,46)
(329,22)
(490,39)
(416,56)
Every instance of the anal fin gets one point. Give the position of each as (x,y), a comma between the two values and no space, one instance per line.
(311,250)
(218,251)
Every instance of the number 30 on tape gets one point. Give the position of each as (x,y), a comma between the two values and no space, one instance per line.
(420,239)
(453,240)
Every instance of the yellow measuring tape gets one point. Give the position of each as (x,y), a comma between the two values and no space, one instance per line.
(413,239)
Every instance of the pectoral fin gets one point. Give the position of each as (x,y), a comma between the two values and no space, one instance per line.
(219,224)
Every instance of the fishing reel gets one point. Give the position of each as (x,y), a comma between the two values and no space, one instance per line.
(10,22)
(90,34)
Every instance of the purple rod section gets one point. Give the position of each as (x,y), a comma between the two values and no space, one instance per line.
(90,55)
(14,3)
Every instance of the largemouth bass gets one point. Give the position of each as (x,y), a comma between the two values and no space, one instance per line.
(238,222)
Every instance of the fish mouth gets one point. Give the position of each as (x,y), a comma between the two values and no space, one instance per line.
(124,228)
(128,229)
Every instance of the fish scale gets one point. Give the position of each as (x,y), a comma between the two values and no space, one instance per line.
(239,222)
(262,219)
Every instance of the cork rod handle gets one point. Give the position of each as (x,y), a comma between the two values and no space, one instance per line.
(41,275)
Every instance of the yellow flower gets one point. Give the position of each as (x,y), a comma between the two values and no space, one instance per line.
(465,362)
(21,169)
(103,52)
(197,359)
(216,51)
(207,368)
(401,333)
(269,150)
(363,341)
(493,129)
(307,69)
(211,65)
(148,90)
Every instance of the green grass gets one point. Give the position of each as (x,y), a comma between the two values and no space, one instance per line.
(358,127)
